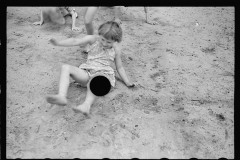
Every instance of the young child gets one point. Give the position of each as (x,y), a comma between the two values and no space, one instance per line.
(104,49)
(57,14)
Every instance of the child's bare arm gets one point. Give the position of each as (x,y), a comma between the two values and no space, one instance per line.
(120,68)
(74,41)
(41,20)
(74,28)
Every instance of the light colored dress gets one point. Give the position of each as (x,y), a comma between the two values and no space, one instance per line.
(99,62)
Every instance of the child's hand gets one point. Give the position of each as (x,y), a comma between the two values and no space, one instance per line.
(53,41)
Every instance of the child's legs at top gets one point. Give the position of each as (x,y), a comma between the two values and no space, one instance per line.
(71,10)
(56,15)
(88,19)
(146,13)
(67,11)
(64,11)
(45,13)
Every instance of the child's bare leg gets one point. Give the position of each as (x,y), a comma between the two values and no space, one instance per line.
(117,14)
(88,21)
(89,13)
(43,16)
(88,18)
(86,105)
(77,74)
(147,17)
(64,11)
(56,15)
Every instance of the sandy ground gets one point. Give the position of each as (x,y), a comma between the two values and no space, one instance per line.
(183,107)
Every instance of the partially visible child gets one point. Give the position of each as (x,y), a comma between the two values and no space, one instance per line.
(57,14)
(104,50)
(89,13)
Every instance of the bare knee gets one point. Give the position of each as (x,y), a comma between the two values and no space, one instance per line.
(62,22)
(56,15)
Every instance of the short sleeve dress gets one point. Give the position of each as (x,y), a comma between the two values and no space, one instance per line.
(99,62)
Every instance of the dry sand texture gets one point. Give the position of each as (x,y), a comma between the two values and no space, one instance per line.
(182,108)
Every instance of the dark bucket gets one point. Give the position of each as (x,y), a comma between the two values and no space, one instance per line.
(100,85)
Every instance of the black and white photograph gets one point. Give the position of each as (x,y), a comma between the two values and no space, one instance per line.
(120,82)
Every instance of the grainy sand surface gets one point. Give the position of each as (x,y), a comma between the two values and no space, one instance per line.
(183,107)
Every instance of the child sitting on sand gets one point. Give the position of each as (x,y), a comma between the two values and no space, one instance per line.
(104,49)
(57,14)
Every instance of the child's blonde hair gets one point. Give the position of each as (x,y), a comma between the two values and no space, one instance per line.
(110,30)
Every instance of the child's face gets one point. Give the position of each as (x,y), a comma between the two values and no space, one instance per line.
(106,43)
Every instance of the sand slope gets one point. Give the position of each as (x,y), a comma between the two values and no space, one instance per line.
(182,108)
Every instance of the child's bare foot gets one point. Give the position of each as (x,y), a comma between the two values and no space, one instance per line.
(57,99)
(83,108)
